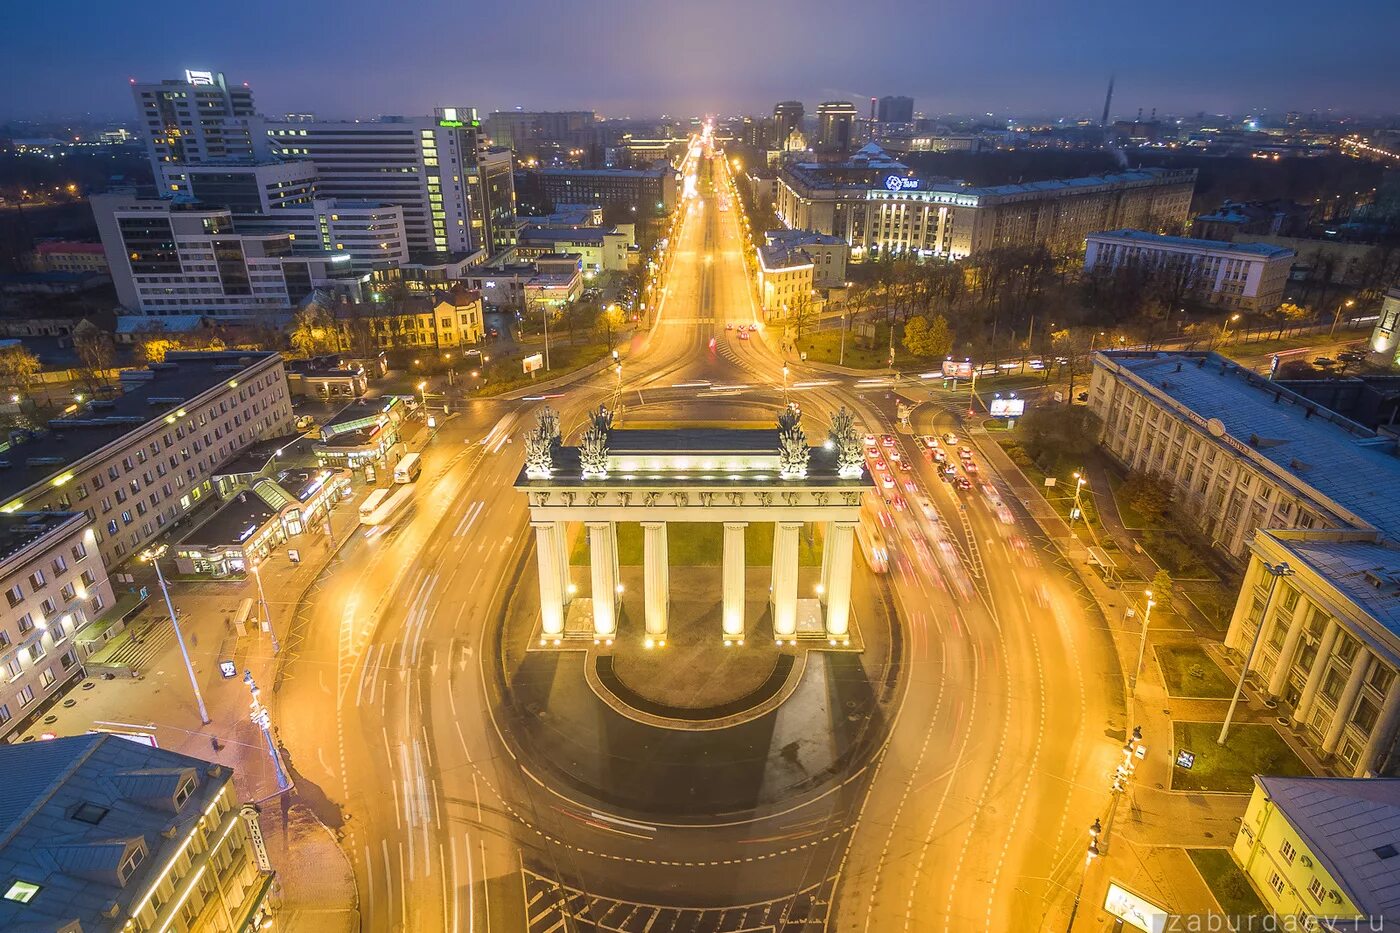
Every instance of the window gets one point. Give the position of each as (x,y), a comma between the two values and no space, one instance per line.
(46,679)
(69,658)
(131,862)
(1316,889)
(36,651)
(1366,714)
(13,668)
(21,892)
(15,595)
(59,565)
(5,715)
(26,696)
(1286,851)
(1276,882)
(184,792)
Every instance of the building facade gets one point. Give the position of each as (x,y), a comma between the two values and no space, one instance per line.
(136,463)
(787,123)
(1320,850)
(894,109)
(1385,337)
(1238,276)
(110,834)
(784,281)
(55,585)
(177,258)
(371,233)
(827,253)
(836,124)
(200,118)
(874,203)
(67,256)
(648,192)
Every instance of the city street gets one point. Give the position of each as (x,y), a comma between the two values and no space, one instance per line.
(1006,712)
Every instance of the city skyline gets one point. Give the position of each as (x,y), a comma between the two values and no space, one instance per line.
(617,68)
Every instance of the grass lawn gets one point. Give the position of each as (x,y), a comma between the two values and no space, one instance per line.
(1131,517)
(1251,749)
(825,347)
(1227,882)
(506,373)
(1190,672)
(1215,600)
(700,544)
(1176,554)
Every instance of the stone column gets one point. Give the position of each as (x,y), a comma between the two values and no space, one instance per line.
(785,535)
(1319,670)
(551,599)
(561,534)
(1234,635)
(825,587)
(840,542)
(1279,676)
(1359,666)
(1382,735)
(733,571)
(656,580)
(602,554)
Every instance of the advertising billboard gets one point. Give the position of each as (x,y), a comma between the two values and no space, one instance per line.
(957,369)
(533,363)
(1007,407)
(1133,910)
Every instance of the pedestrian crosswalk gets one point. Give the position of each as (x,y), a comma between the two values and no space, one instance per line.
(555,908)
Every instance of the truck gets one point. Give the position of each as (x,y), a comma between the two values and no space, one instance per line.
(372,503)
(389,506)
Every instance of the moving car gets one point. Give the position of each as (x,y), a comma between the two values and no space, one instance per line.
(939,456)
(929,441)
(950,438)
(869,440)
(887,440)
(965,453)
(964,483)
(887,481)
(743,334)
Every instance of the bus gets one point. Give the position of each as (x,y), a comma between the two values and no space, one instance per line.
(394,502)
(408,469)
(372,504)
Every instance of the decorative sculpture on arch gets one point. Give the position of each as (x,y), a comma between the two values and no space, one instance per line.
(540,442)
(849,459)
(793,452)
(593,451)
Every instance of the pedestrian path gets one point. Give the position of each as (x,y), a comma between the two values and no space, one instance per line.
(138,646)
(551,907)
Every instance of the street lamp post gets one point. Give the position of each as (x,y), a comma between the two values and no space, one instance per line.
(1336,318)
(1225,331)
(1091,854)
(1078,511)
(1142,642)
(152,556)
(258,714)
(1281,569)
(262,600)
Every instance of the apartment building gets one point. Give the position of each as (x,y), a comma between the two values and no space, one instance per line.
(784,280)
(876,204)
(828,253)
(174,257)
(444,320)
(1238,276)
(142,460)
(1321,851)
(108,834)
(371,233)
(55,585)
(68,256)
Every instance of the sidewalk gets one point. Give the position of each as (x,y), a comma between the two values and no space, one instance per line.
(314,880)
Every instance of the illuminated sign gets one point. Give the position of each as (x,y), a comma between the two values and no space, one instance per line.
(900,183)
(957,369)
(532,363)
(199,77)
(451,123)
(1131,909)
(1008,407)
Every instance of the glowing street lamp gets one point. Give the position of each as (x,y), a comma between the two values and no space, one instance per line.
(152,556)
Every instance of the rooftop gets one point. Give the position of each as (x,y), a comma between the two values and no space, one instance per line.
(147,395)
(1348,823)
(567,234)
(796,238)
(1186,242)
(288,449)
(775,257)
(18,530)
(233,523)
(1346,467)
(125,786)
(657,171)
(1366,572)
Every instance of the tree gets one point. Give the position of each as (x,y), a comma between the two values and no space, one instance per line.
(801,313)
(154,347)
(915,337)
(1162,588)
(19,370)
(313,331)
(96,352)
(940,339)
(610,321)
(1149,495)
(1059,437)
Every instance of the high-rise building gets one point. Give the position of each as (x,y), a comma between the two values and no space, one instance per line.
(453,189)
(895,110)
(787,119)
(191,121)
(836,124)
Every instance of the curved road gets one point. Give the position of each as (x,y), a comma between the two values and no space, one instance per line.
(971,812)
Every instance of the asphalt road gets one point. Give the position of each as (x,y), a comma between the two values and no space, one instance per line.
(972,814)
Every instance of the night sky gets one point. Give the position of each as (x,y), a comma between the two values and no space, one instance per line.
(348,58)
